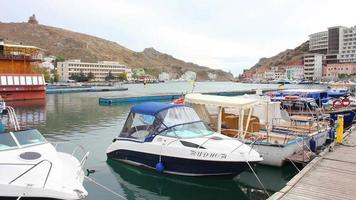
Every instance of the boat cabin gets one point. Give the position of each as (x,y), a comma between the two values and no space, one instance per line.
(149,119)
(230,116)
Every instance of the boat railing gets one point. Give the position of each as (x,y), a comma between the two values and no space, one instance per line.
(13,118)
(31,168)
(76,148)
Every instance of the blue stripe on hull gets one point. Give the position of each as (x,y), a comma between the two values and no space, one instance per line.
(181,166)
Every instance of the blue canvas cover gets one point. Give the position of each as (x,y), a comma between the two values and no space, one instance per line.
(152,108)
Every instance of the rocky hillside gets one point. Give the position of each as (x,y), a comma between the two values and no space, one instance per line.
(287,57)
(73,45)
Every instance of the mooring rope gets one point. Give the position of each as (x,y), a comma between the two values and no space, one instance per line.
(106,188)
(258,179)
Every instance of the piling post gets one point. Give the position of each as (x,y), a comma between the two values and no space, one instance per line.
(340,129)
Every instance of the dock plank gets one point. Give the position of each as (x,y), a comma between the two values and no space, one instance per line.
(331,176)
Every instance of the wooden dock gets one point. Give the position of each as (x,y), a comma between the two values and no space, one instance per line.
(330,176)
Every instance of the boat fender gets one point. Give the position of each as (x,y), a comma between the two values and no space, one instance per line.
(110,102)
(159,167)
(179,101)
(345,102)
(2,127)
(291,97)
(114,140)
(312,145)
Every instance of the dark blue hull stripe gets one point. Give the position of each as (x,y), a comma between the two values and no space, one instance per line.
(180,165)
(349,117)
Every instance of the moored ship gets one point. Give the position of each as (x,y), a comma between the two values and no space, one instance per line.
(18,79)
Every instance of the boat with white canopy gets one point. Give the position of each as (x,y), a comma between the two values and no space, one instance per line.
(236,117)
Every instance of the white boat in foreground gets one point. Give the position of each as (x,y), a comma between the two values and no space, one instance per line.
(173,139)
(31,167)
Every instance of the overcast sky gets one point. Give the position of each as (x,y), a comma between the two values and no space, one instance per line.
(226,34)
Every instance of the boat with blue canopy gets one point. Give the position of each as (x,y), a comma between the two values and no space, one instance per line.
(173,139)
(316,102)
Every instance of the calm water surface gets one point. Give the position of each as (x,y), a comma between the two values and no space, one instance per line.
(78,118)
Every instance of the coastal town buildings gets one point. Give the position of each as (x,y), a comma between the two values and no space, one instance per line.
(48,62)
(339,70)
(213,76)
(164,76)
(338,43)
(313,66)
(318,42)
(100,69)
(294,72)
(247,74)
(189,76)
(138,72)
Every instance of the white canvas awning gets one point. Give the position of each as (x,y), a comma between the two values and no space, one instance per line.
(221,101)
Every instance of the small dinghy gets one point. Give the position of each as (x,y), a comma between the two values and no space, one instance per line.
(171,138)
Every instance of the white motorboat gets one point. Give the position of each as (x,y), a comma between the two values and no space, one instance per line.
(173,139)
(31,167)
(234,117)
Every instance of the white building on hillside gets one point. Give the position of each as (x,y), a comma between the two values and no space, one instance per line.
(313,66)
(100,69)
(164,76)
(48,62)
(212,76)
(295,72)
(189,76)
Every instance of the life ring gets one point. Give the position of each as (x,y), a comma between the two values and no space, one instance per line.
(179,101)
(345,102)
(291,97)
(337,103)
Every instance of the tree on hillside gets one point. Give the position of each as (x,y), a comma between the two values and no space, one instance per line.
(122,76)
(56,76)
(90,76)
(110,77)
(58,59)
(47,76)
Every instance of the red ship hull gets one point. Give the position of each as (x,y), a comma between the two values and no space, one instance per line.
(14,93)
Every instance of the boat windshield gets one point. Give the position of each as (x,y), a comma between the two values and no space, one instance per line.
(29,137)
(9,141)
(189,130)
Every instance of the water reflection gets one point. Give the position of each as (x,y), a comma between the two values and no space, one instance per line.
(142,183)
(29,113)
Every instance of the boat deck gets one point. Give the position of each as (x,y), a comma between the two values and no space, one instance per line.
(330,176)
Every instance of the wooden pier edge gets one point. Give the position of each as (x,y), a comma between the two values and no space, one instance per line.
(293,182)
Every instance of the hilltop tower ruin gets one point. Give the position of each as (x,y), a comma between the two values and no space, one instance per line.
(32,19)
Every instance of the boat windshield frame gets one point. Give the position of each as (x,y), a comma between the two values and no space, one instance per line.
(19,143)
(182,124)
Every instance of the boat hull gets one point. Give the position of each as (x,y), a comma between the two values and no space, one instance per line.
(179,166)
(14,93)
(276,155)
(349,116)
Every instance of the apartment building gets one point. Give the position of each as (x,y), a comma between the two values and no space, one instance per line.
(294,72)
(333,71)
(100,69)
(318,42)
(313,66)
(338,43)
